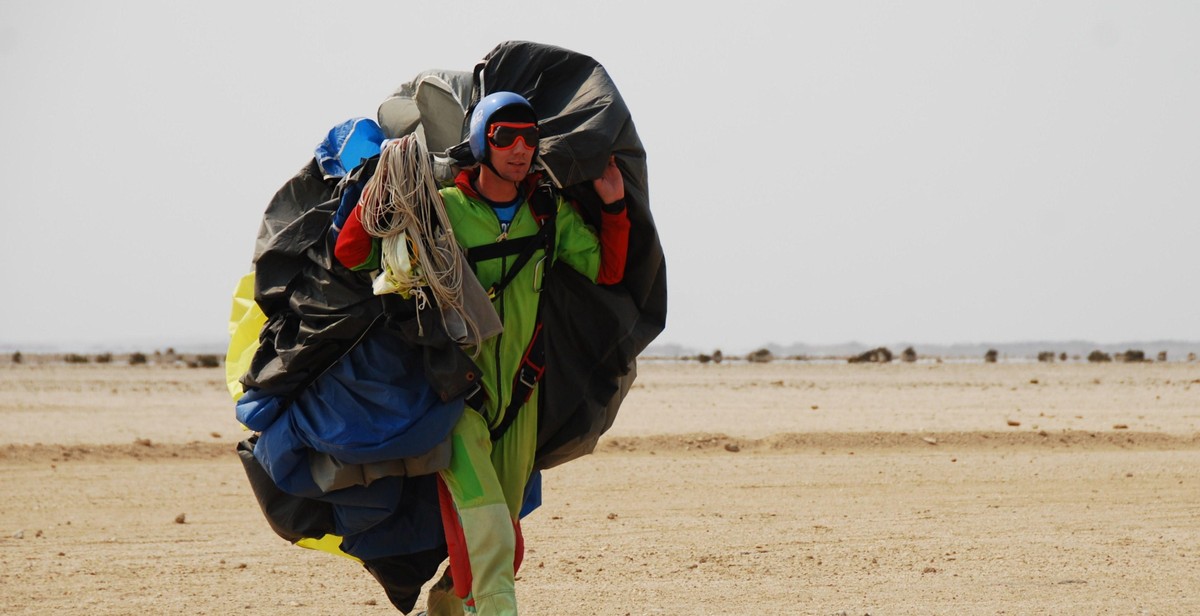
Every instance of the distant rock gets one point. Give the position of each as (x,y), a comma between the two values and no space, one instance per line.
(760,356)
(717,356)
(1131,356)
(990,356)
(1162,356)
(1099,356)
(1065,350)
(1046,357)
(909,355)
(880,355)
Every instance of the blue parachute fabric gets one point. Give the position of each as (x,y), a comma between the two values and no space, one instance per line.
(349,199)
(375,405)
(372,405)
(533,494)
(284,457)
(355,509)
(347,145)
(257,410)
(414,526)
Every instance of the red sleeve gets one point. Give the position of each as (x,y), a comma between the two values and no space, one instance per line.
(614,246)
(353,246)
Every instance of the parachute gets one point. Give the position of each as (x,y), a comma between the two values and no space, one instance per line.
(302,324)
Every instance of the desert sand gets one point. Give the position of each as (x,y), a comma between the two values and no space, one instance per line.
(782,488)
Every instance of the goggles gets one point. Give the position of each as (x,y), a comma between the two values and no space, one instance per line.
(504,135)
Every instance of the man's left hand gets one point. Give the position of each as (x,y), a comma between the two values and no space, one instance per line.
(610,186)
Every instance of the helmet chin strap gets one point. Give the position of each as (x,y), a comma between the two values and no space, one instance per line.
(487,162)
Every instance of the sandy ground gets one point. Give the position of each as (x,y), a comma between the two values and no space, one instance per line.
(787,488)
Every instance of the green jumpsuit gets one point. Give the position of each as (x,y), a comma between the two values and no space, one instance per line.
(485,480)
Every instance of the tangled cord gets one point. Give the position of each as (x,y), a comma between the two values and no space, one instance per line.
(402,197)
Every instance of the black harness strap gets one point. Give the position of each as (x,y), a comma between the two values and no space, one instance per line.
(544,205)
(505,248)
(526,245)
(533,366)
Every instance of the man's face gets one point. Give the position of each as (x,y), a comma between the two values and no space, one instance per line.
(512,163)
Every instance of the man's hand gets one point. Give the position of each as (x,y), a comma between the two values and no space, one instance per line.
(610,186)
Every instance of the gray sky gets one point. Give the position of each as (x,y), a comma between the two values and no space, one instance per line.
(820,172)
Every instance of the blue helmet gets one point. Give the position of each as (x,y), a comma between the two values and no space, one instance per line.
(482,115)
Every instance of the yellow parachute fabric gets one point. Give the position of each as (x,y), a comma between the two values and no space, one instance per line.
(328,543)
(246,321)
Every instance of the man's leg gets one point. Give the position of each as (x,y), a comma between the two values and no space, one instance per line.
(485,538)
(441,600)
(512,455)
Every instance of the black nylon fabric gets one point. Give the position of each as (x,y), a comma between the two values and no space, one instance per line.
(315,311)
(291,517)
(318,310)
(590,363)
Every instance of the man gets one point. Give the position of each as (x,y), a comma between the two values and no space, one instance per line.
(507,225)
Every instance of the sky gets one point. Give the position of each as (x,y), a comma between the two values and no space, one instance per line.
(820,172)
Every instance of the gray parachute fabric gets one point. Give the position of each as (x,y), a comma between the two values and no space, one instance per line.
(315,311)
(431,105)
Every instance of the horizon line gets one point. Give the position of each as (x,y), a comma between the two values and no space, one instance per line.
(193,346)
